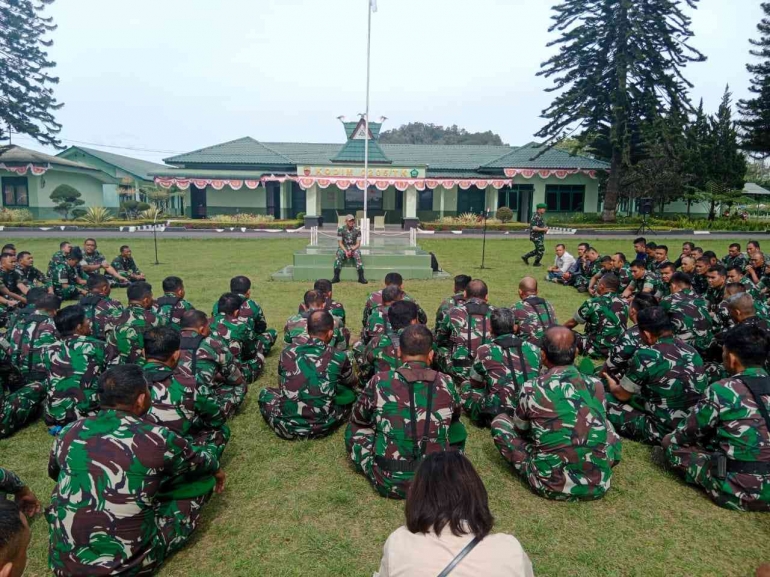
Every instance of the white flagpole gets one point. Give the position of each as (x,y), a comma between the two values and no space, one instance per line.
(369,8)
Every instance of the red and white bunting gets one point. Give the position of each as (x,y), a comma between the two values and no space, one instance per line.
(251,184)
(36,169)
(560,173)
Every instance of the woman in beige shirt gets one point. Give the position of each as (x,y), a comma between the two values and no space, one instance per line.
(447,509)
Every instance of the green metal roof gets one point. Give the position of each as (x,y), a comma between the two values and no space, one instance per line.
(531,156)
(139,168)
(447,157)
(355,150)
(242,151)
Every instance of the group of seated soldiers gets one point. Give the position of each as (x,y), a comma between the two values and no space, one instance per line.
(146,391)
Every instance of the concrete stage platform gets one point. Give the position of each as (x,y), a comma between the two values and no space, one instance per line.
(386,253)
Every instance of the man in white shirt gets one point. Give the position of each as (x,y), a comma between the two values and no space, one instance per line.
(561,264)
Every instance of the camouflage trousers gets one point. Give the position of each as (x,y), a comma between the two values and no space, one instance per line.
(715,371)
(282,415)
(252,368)
(359,442)
(230,398)
(633,422)
(267,340)
(213,439)
(588,347)
(556,481)
(20,407)
(739,492)
(480,406)
(538,251)
(341,259)
(68,293)
(176,522)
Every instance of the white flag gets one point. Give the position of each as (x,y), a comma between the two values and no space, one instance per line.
(373,4)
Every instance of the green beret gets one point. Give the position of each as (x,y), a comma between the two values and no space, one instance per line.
(542,205)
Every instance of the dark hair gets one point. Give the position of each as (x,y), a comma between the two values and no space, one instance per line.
(11,528)
(735,245)
(93,240)
(611,282)
(733,288)
(416,340)
(22,254)
(161,342)
(638,264)
(697,248)
(240,284)
(193,319)
(561,245)
(681,278)
(555,350)
(733,267)
(477,289)
(592,249)
(6,255)
(652,245)
(9,246)
(689,244)
(391,294)
(640,240)
(667,265)
(124,247)
(313,298)
(643,301)
(585,245)
(229,303)
(501,322)
(719,269)
(754,242)
(621,257)
(319,322)
(704,259)
(394,278)
(710,254)
(121,385)
(63,243)
(75,254)
(654,320)
(172,283)
(461,281)
(323,285)
(402,313)
(605,259)
(96,281)
(35,294)
(139,291)
(662,247)
(447,490)
(48,302)
(68,319)
(749,343)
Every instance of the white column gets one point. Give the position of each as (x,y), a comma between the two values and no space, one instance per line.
(313,201)
(285,199)
(441,200)
(410,202)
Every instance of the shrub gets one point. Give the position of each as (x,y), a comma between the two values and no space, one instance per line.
(15,215)
(504,214)
(152,213)
(243,218)
(66,198)
(301,216)
(97,215)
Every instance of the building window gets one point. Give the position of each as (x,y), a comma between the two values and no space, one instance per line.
(15,191)
(565,197)
(425,199)
(354,199)
(510,195)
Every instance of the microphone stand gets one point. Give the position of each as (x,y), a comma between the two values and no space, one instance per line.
(484,241)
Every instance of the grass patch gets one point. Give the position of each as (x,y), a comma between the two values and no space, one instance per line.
(299,509)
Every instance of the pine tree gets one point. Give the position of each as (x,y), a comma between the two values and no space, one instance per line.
(617,60)
(27,101)
(697,155)
(755,112)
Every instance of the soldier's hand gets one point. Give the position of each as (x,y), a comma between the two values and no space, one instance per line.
(27,502)
(220,481)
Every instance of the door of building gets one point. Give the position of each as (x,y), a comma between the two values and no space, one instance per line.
(471,200)
(298,200)
(197,202)
(273,191)
(525,203)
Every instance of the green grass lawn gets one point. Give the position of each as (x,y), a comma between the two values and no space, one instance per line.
(299,509)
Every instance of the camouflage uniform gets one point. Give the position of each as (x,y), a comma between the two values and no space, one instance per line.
(499,371)
(728,421)
(463,331)
(624,275)
(169,309)
(605,318)
(649,283)
(103,312)
(185,407)
(296,329)
(58,258)
(623,351)
(237,335)
(666,380)
(381,354)
(590,269)
(714,296)
(94,258)
(213,365)
(445,306)
(533,316)
(108,512)
(700,283)
(691,319)
(11,279)
(741,261)
(20,399)
(349,239)
(10,484)
(559,439)
(74,365)
(375,300)
(125,344)
(62,274)
(305,405)
(337,310)
(537,238)
(33,277)
(400,417)
(125,267)
(251,313)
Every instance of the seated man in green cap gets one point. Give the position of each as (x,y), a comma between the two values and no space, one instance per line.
(537,230)
(349,248)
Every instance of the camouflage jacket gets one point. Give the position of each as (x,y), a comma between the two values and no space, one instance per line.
(377,324)
(624,275)
(311,375)
(375,300)
(9,482)
(94,258)
(236,335)
(250,313)
(691,319)
(348,236)
(564,416)
(180,403)
(714,296)
(533,316)
(169,309)
(446,305)
(539,222)
(296,328)
(381,354)
(73,365)
(336,309)
(11,279)
(666,379)
(499,371)
(65,276)
(125,266)
(649,283)
(623,351)
(464,330)
(33,277)
(125,344)
(103,312)
(58,258)
(208,360)
(605,318)
(31,335)
(740,261)
(700,283)
(109,471)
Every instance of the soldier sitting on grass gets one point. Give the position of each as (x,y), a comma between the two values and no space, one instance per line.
(125,266)
(375,299)
(172,305)
(67,281)
(102,311)
(630,341)
(533,315)
(337,310)
(382,352)
(295,330)
(125,344)
(228,327)
(316,385)
(252,314)
(460,284)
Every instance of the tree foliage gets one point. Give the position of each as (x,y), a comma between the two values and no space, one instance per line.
(618,63)
(66,199)
(755,112)
(421,133)
(27,101)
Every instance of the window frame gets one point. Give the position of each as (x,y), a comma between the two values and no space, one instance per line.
(15,181)
(565,193)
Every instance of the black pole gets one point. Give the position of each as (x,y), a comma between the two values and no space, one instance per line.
(484,241)
(155,236)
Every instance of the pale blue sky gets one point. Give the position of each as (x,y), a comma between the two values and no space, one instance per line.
(176,75)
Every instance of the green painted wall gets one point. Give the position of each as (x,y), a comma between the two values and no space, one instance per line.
(41,187)
(229,201)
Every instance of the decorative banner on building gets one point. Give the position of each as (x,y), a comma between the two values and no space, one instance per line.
(36,169)
(560,173)
(342,171)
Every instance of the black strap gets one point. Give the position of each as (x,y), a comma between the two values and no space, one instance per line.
(167,300)
(759,386)
(460,556)
(192,344)
(539,302)
(509,343)
(476,309)
(157,375)
(89,303)
(748,467)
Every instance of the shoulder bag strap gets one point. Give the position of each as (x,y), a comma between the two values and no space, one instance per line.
(518,344)
(759,386)
(428,410)
(460,556)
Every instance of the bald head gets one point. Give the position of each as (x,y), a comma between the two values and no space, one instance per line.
(527,286)
(559,346)
(741,307)
(476,289)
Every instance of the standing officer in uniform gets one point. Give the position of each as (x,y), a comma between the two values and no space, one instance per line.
(349,244)
(537,230)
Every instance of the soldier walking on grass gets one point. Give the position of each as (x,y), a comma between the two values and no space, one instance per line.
(537,230)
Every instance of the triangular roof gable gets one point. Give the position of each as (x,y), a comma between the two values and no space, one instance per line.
(354,150)
(135,166)
(244,150)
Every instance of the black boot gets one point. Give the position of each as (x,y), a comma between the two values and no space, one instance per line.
(526,260)
(361,278)
(336,278)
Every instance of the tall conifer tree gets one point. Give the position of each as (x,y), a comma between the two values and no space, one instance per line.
(755,112)
(617,59)
(27,101)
